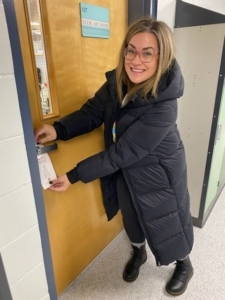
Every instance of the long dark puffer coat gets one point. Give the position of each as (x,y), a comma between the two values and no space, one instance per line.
(151,155)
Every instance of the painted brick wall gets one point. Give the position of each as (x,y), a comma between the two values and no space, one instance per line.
(20,244)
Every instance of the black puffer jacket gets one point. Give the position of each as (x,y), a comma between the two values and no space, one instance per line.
(151,155)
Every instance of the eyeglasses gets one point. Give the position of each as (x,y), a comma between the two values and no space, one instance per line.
(145,55)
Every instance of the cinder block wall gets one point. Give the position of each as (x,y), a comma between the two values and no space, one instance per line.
(20,244)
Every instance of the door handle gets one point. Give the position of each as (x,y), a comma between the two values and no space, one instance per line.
(218,132)
(40,149)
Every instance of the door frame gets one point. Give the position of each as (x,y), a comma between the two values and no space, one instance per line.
(213,186)
(221,171)
(203,216)
(29,141)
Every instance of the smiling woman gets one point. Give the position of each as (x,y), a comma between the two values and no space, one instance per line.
(143,167)
(141,62)
(159,38)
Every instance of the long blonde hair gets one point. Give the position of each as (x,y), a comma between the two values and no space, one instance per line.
(166,57)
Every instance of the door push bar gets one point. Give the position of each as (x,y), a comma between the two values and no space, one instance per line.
(45,149)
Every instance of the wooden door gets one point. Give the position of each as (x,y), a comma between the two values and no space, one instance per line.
(77,223)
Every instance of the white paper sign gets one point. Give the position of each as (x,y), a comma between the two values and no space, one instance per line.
(47,172)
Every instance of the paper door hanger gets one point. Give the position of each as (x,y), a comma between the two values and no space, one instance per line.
(46,170)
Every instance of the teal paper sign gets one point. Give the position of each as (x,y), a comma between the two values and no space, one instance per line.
(94,20)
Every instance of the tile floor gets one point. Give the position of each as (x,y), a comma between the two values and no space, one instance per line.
(102,279)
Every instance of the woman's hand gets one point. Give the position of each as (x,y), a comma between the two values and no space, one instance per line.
(60,184)
(45,133)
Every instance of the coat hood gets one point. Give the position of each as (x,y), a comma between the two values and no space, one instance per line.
(171,85)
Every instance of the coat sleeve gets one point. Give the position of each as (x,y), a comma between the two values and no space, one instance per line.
(89,117)
(142,137)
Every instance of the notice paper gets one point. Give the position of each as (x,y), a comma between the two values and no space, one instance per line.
(47,172)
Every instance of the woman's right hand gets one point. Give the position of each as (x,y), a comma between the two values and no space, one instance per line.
(45,133)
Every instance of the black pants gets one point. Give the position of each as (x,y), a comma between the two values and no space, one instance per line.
(129,214)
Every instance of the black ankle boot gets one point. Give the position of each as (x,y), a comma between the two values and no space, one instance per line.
(181,276)
(131,271)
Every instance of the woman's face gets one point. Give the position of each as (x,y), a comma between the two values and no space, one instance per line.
(144,44)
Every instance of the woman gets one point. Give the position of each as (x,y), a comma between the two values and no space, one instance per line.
(143,168)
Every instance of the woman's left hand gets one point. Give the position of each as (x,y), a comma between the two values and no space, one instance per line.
(60,184)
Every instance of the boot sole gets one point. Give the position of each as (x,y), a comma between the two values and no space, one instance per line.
(133,279)
(180,293)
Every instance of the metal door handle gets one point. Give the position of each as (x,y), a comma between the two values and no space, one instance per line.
(218,132)
(45,149)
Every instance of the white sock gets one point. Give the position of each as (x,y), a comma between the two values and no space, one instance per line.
(138,245)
